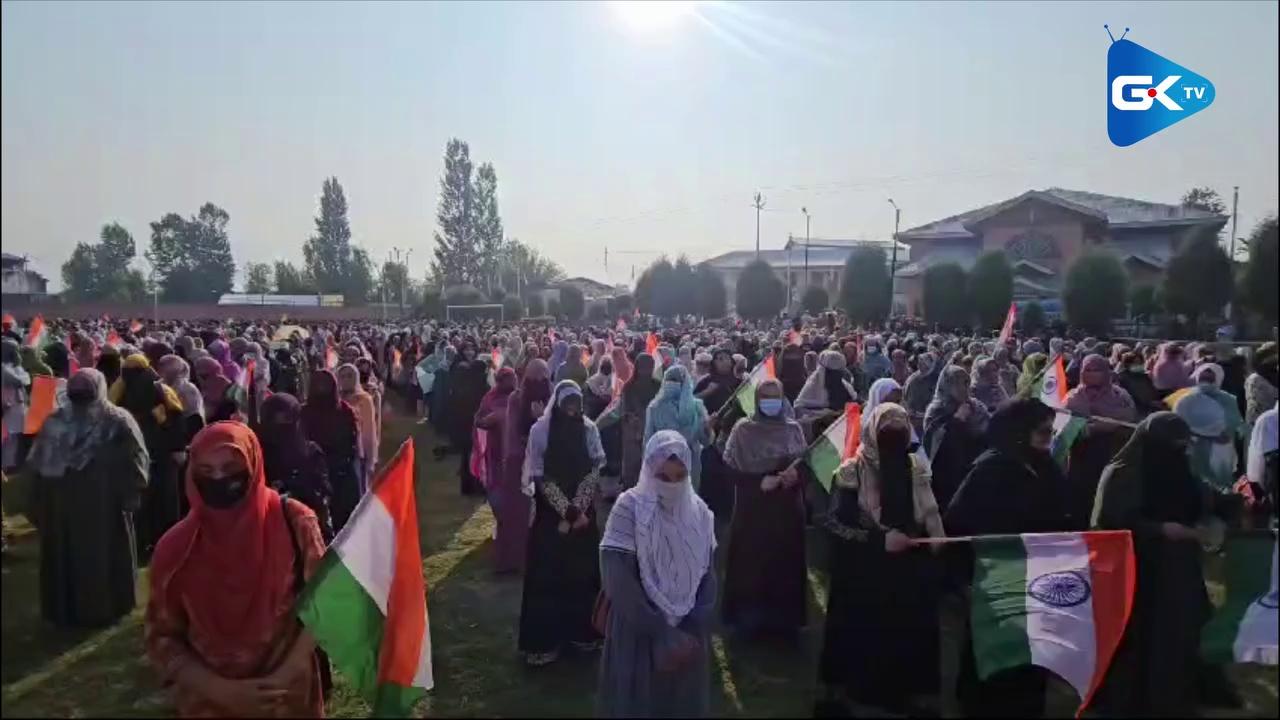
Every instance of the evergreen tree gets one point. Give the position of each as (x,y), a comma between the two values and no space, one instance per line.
(814,299)
(328,251)
(192,257)
(457,252)
(1199,280)
(257,278)
(1095,291)
(864,286)
(101,271)
(1258,285)
(945,289)
(713,299)
(292,281)
(760,293)
(488,224)
(991,288)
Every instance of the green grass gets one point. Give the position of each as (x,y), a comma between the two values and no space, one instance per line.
(473,614)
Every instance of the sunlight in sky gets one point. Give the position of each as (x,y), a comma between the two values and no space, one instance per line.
(647,16)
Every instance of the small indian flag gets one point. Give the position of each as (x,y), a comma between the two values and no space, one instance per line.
(113,339)
(1066,427)
(746,393)
(330,358)
(367,605)
(651,344)
(837,444)
(135,326)
(35,332)
(1056,600)
(1245,628)
(622,325)
(1006,330)
(497,358)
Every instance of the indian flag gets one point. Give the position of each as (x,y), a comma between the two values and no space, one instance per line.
(746,393)
(837,444)
(1056,600)
(36,333)
(367,605)
(1066,427)
(1244,629)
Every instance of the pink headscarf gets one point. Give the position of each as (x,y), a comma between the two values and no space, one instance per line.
(622,367)
(1168,373)
(1097,395)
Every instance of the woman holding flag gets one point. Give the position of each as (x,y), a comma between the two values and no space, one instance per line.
(630,409)
(1095,398)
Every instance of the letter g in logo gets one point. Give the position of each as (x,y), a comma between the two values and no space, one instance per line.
(1142,100)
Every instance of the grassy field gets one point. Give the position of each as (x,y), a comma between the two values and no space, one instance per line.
(473,614)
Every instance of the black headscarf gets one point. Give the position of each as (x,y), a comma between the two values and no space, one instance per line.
(58,359)
(642,387)
(1150,479)
(109,365)
(566,459)
(791,371)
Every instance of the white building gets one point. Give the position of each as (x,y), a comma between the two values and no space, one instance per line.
(18,280)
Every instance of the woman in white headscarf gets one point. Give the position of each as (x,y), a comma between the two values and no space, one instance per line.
(656,561)
(827,388)
(562,575)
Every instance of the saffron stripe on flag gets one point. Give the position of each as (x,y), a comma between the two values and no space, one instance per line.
(1113,570)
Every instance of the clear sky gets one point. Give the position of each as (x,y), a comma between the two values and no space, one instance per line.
(604,128)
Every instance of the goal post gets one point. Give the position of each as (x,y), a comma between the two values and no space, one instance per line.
(462,313)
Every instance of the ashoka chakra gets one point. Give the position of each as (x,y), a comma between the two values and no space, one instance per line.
(1060,589)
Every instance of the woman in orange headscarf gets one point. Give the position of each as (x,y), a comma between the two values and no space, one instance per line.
(220,625)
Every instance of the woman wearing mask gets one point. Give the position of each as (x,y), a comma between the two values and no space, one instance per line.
(656,561)
(524,407)
(987,388)
(954,429)
(1170,372)
(295,466)
(330,422)
(562,574)
(468,383)
(875,365)
(1213,450)
(791,371)
(1015,487)
(175,373)
(352,392)
(917,392)
(220,624)
(1095,397)
(881,637)
(598,389)
(217,392)
(630,412)
(1150,490)
(765,574)
(718,386)
(1133,379)
(715,390)
(675,408)
(90,464)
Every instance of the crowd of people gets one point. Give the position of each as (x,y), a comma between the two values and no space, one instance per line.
(616,462)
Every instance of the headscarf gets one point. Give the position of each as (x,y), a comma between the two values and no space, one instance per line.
(58,358)
(874,363)
(140,391)
(71,437)
(1032,367)
(566,457)
(1213,450)
(952,392)
(761,443)
(284,443)
(868,474)
(878,393)
(326,418)
(1169,373)
(667,527)
(641,389)
(558,353)
(601,383)
(231,569)
(1097,395)
(622,367)
(175,373)
(986,387)
(826,388)
(535,386)
(675,401)
(900,368)
(918,390)
(1149,479)
(219,351)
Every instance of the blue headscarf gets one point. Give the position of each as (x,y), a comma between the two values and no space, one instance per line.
(675,407)
(559,351)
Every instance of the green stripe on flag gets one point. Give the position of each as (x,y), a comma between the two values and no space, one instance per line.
(999,608)
(746,398)
(1246,577)
(1065,438)
(824,459)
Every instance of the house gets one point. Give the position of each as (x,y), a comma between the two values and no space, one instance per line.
(1043,231)
(19,282)
(825,262)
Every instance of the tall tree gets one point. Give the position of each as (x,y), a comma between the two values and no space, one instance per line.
(488,223)
(864,286)
(684,288)
(393,280)
(572,303)
(1199,280)
(521,266)
(328,251)
(713,299)
(457,253)
(292,281)
(653,289)
(991,288)
(257,278)
(359,281)
(1258,285)
(1095,291)
(1204,198)
(814,299)
(945,291)
(192,257)
(760,294)
(101,271)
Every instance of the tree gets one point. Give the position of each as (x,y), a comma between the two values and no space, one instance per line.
(684,288)
(814,299)
(101,272)
(760,293)
(521,266)
(864,286)
(1198,280)
(359,280)
(1032,317)
(192,257)
(457,253)
(328,251)
(598,310)
(945,291)
(488,223)
(1204,198)
(991,288)
(624,304)
(1144,302)
(572,303)
(1095,291)
(553,308)
(536,307)
(463,295)
(257,278)
(713,299)
(653,289)
(292,281)
(1258,286)
(512,308)
(393,280)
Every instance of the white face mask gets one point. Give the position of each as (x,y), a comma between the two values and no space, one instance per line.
(669,492)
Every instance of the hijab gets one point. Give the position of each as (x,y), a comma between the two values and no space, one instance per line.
(639,392)
(667,527)
(219,351)
(952,392)
(986,387)
(1032,367)
(567,458)
(326,418)
(535,386)
(284,444)
(1150,479)
(175,373)
(761,443)
(74,434)
(32,363)
(622,367)
(213,383)
(231,569)
(1097,394)
(878,393)
(676,402)
(893,485)
(1169,373)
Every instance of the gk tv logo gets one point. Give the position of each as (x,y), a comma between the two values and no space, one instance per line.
(1147,93)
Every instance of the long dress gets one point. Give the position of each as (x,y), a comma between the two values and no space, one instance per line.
(467,387)
(511,512)
(88,564)
(630,684)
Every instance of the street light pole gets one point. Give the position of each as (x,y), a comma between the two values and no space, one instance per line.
(404,280)
(893,262)
(807,217)
(758,204)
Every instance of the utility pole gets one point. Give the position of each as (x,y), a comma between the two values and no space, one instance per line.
(404,279)
(893,263)
(384,289)
(807,217)
(1235,206)
(758,204)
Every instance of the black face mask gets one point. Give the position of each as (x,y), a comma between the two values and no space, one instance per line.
(81,398)
(224,492)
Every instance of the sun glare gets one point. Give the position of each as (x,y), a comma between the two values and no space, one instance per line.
(652,15)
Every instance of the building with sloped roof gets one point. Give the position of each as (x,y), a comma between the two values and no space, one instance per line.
(1044,231)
